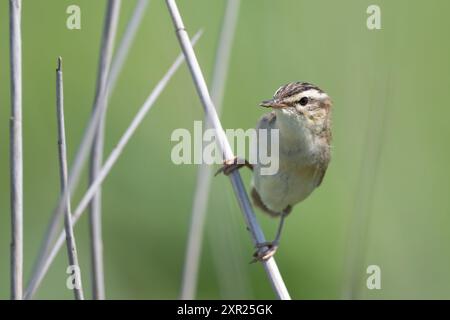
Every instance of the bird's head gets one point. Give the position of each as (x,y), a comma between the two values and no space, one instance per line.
(304,103)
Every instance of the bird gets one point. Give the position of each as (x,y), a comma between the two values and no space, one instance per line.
(301,111)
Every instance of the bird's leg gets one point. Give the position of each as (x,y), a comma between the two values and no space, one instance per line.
(271,247)
(233,164)
(265,250)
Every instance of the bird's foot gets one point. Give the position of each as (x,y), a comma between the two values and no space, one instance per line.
(233,164)
(265,251)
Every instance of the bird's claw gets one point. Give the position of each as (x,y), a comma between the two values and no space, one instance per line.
(264,251)
(233,164)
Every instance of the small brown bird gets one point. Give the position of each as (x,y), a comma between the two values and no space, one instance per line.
(302,114)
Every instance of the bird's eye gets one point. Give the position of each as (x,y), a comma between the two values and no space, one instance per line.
(304,101)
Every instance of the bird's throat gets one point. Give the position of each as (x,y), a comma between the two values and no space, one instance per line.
(294,131)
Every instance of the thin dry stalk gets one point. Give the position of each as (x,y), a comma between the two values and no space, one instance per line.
(113,157)
(15,144)
(204,174)
(96,158)
(97,151)
(62,153)
(235,178)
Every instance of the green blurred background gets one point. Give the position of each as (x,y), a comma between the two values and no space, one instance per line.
(390,150)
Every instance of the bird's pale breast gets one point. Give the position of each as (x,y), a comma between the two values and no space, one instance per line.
(298,175)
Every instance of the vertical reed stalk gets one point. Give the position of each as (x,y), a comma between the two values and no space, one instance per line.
(15,144)
(96,157)
(62,153)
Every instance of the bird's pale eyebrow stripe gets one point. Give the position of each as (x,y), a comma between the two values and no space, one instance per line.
(312,94)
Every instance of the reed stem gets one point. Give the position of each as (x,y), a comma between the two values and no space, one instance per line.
(15,143)
(270,265)
(96,156)
(62,153)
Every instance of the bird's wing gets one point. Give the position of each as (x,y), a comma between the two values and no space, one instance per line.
(322,168)
(321,174)
(267,121)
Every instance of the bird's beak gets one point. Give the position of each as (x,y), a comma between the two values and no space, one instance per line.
(273,103)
